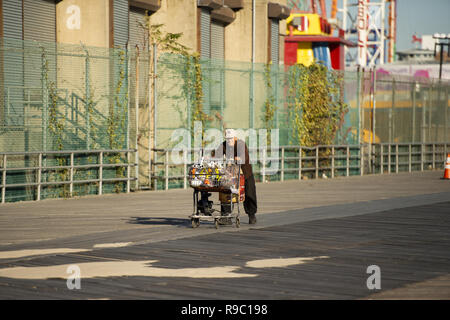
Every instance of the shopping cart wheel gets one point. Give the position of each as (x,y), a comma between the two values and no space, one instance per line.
(238,223)
(195,222)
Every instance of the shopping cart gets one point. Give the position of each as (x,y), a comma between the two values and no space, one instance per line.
(226,179)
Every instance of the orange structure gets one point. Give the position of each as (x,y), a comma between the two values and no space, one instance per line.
(447,168)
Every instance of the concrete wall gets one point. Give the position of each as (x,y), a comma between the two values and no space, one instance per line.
(87,21)
(238,35)
(179,16)
(238,47)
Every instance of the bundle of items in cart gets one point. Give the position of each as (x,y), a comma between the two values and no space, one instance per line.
(208,173)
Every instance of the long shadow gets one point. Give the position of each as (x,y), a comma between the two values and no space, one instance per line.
(160,221)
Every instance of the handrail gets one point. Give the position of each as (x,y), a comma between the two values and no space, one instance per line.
(351,159)
(42,167)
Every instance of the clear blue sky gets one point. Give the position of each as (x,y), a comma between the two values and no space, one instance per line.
(421,17)
(416,17)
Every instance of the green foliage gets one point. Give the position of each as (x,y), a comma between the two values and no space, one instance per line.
(55,127)
(166,41)
(117,119)
(269,105)
(55,123)
(192,88)
(192,73)
(315,103)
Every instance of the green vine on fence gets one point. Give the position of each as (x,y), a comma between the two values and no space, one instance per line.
(55,124)
(117,119)
(269,105)
(192,89)
(315,105)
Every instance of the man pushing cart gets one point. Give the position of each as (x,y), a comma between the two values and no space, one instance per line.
(232,178)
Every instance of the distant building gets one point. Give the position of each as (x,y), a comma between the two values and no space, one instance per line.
(428,42)
(415,55)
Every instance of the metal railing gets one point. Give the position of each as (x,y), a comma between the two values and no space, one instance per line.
(408,157)
(315,161)
(291,162)
(41,168)
(331,161)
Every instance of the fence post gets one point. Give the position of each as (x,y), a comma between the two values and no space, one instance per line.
(39,177)
(421,157)
(128,171)
(87,102)
(396,158)
(4,179)
(155,154)
(410,158)
(71,174)
(413,133)
(184,169)
(348,161)
(155,100)
(446,136)
(358,101)
(100,173)
(392,115)
(361,159)
(136,168)
(299,163)
(332,162)
(136,106)
(166,169)
(282,163)
(374,119)
(434,156)
(429,113)
(389,158)
(44,120)
(317,162)
(381,159)
(423,130)
(264,166)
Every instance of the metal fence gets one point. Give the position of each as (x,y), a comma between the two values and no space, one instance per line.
(64,173)
(59,99)
(382,108)
(63,97)
(295,162)
(408,157)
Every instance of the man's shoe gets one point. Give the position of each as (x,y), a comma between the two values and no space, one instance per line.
(251,219)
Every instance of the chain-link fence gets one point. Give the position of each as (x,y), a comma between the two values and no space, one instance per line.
(232,94)
(58,97)
(380,108)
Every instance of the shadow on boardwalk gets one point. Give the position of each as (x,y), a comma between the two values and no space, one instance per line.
(160,221)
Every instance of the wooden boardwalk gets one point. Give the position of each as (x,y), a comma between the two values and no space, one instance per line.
(319,252)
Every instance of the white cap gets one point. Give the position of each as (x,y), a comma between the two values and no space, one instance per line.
(230,133)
